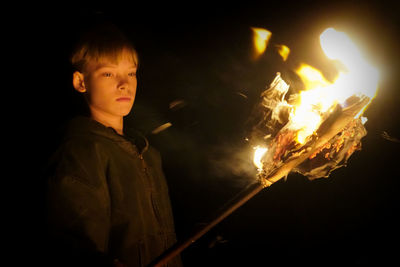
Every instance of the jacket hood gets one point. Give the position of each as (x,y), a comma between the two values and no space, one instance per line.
(83,126)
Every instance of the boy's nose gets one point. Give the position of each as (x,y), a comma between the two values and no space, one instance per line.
(123,84)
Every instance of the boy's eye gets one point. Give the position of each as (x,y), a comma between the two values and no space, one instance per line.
(107,74)
(132,74)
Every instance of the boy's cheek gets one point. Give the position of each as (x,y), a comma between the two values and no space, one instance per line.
(102,87)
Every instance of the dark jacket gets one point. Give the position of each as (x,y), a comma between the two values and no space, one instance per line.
(107,199)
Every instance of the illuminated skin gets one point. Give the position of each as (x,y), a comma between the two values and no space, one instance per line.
(110,89)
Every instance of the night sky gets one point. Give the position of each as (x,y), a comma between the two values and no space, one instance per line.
(201,54)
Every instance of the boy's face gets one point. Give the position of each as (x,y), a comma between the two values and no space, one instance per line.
(111,86)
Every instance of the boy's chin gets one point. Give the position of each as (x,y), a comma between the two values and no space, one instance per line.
(123,114)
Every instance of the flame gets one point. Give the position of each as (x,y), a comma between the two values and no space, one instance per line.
(260,39)
(356,77)
(314,100)
(283,51)
(258,154)
(360,77)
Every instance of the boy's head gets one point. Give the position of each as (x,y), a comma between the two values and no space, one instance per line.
(105,64)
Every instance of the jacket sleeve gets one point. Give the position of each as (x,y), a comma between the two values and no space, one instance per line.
(78,209)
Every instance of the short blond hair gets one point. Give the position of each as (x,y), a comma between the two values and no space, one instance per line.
(104,41)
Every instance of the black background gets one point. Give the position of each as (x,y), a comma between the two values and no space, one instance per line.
(201,53)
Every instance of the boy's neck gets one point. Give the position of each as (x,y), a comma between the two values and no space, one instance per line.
(108,120)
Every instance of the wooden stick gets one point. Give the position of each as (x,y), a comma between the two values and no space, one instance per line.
(242,198)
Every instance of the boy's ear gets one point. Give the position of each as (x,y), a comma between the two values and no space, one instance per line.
(78,82)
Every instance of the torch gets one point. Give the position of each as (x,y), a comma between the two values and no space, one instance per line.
(312,132)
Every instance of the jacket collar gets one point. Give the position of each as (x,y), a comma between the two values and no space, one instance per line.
(82,125)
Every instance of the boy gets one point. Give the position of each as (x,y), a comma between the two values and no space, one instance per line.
(108,202)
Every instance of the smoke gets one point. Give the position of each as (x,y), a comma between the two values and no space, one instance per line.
(233,162)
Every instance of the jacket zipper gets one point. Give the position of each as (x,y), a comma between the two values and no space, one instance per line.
(152,199)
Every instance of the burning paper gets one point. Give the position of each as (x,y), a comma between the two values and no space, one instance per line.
(315,131)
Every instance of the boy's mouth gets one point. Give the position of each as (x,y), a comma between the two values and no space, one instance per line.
(124,98)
